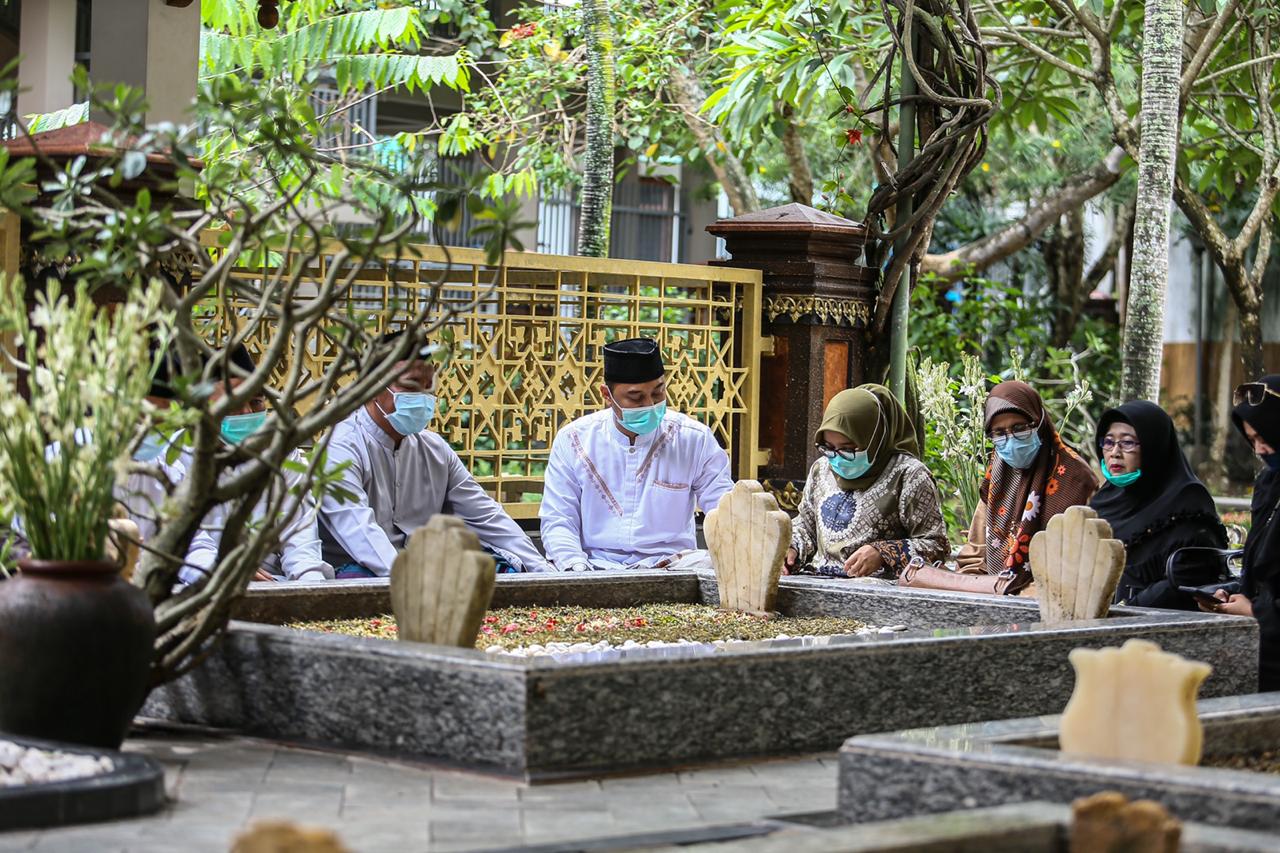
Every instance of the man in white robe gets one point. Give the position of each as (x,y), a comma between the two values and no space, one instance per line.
(622,484)
(297,555)
(399,475)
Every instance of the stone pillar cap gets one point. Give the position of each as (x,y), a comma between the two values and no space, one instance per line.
(790,219)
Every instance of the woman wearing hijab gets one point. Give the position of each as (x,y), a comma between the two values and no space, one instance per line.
(869,504)
(1257,416)
(1033,475)
(1153,502)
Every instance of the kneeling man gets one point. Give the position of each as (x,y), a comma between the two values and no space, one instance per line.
(622,483)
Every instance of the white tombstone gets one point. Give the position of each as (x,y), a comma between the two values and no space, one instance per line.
(441,584)
(1076,565)
(748,537)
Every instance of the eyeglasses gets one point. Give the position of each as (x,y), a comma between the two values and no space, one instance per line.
(1252,393)
(831,453)
(1022,433)
(1126,445)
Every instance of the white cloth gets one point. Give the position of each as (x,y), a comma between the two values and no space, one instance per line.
(611,503)
(397,490)
(298,555)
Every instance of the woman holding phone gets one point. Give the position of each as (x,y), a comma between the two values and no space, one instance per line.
(1257,416)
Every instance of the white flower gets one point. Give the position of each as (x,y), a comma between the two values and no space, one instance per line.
(1032,509)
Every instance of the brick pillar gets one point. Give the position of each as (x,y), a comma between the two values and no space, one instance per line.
(817,301)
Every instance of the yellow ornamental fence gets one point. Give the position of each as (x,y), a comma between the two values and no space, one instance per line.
(527,358)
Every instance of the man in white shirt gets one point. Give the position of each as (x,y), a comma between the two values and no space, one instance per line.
(298,554)
(622,484)
(399,475)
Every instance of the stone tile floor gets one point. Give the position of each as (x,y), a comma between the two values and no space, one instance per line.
(219,786)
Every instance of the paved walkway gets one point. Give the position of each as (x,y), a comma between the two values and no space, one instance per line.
(220,786)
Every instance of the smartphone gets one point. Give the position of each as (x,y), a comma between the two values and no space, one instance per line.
(1201,597)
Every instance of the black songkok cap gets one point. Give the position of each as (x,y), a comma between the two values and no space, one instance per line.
(632,361)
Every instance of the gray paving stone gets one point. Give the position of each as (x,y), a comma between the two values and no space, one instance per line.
(731,804)
(568,823)
(476,826)
(14,841)
(456,786)
(720,777)
(361,797)
(568,791)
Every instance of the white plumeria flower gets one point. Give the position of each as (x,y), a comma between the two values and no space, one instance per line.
(1032,508)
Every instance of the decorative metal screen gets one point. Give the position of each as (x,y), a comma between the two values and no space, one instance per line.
(528,356)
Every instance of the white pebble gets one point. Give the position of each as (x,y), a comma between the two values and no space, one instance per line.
(22,766)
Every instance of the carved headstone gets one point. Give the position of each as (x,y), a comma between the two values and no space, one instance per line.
(122,545)
(1135,702)
(1076,565)
(281,836)
(1108,823)
(748,537)
(441,584)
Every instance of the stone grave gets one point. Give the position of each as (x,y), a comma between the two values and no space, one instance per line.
(1018,760)
(627,709)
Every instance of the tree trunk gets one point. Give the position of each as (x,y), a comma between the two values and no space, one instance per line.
(1064,258)
(598,174)
(1222,402)
(1143,347)
(1072,193)
(800,177)
(686,95)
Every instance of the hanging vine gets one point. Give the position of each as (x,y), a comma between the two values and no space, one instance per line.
(941,45)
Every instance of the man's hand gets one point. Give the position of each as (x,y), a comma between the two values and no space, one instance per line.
(1232,605)
(863,562)
(263,575)
(789,561)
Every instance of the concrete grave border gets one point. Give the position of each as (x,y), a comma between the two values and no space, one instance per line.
(617,711)
(933,770)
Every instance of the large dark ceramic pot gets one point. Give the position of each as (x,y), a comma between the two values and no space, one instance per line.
(75,652)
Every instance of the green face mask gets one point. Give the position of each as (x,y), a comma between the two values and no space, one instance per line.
(1120,480)
(237,428)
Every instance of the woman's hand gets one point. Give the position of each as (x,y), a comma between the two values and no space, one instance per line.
(1232,605)
(789,561)
(863,562)
(263,575)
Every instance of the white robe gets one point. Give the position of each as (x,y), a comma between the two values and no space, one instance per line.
(298,555)
(397,490)
(616,504)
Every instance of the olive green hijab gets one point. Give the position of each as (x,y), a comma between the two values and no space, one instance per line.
(874,420)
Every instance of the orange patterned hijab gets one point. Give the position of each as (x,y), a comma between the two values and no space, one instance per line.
(1020,501)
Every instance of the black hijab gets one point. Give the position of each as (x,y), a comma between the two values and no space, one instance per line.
(1262,548)
(1168,492)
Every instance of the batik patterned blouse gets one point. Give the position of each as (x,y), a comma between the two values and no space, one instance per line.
(900,514)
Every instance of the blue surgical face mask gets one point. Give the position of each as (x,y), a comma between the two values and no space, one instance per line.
(1120,480)
(643,420)
(1271,460)
(153,446)
(1019,452)
(236,428)
(851,469)
(413,411)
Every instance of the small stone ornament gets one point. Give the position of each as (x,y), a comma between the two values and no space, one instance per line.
(748,537)
(1108,823)
(1076,565)
(441,584)
(1135,702)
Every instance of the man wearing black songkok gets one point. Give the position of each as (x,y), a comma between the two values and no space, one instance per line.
(622,483)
